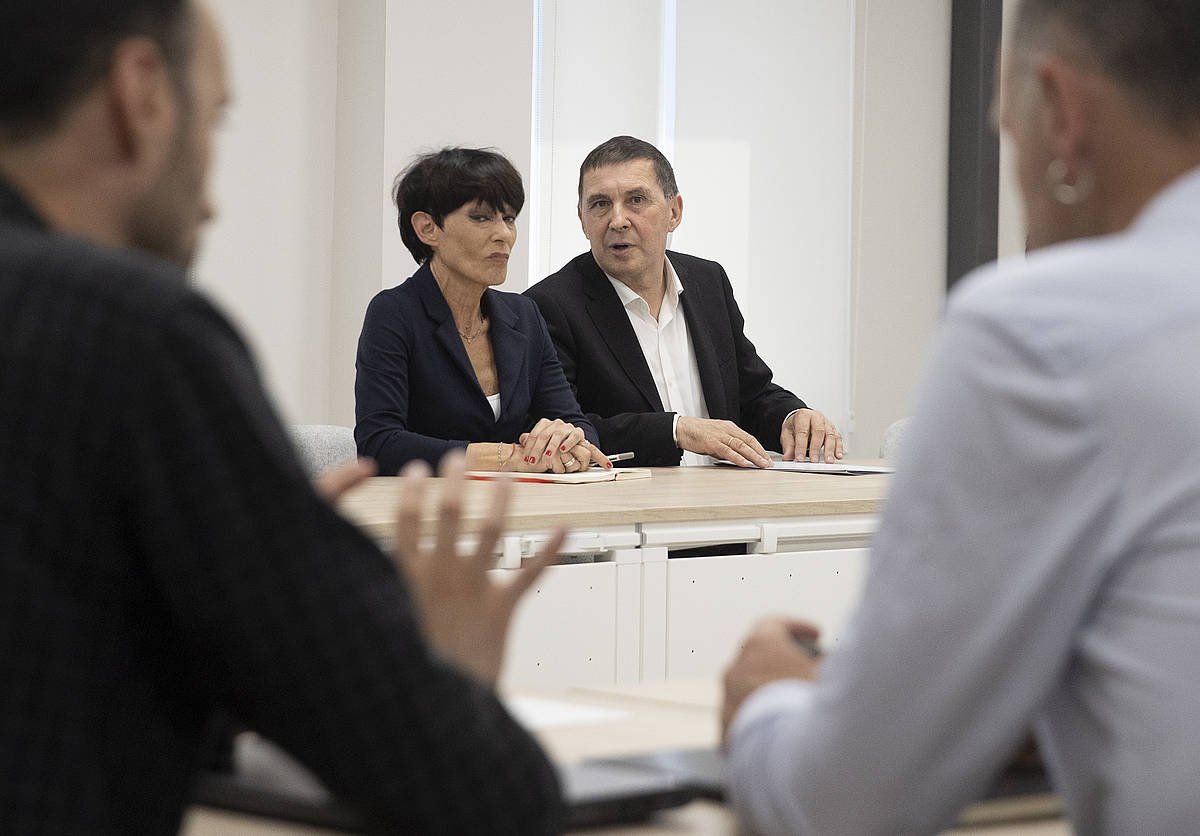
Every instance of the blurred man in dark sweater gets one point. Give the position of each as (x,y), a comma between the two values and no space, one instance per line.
(162,554)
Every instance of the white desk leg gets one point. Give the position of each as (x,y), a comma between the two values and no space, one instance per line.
(629,614)
(654,613)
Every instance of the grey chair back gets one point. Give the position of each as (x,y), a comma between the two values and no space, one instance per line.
(323,445)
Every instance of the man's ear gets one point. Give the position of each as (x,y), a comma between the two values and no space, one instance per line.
(144,105)
(675,206)
(426,229)
(1067,110)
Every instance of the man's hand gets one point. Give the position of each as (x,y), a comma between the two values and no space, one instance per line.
(464,612)
(334,482)
(721,440)
(807,431)
(774,650)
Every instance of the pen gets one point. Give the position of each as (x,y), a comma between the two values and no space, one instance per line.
(620,457)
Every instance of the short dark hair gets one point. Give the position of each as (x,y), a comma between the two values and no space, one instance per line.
(443,181)
(52,53)
(624,149)
(1152,47)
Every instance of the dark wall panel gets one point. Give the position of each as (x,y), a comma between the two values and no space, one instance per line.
(974,182)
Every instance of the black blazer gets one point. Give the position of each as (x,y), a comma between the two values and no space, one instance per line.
(604,363)
(415,393)
(163,557)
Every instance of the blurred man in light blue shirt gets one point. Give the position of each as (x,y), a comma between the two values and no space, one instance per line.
(1039,557)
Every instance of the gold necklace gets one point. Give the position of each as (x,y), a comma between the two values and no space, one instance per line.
(469,338)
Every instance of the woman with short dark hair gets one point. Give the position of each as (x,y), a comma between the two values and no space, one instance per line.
(447,362)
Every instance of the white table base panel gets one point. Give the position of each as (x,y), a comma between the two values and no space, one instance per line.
(712,602)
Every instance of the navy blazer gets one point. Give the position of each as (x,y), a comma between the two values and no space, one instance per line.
(604,363)
(415,393)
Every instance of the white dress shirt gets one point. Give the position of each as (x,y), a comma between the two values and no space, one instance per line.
(1038,561)
(667,346)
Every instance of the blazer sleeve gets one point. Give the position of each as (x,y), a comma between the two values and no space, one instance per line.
(381,394)
(764,404)
(553,396)
(292,618)
(648,435)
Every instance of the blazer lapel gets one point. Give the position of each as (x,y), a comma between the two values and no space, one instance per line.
(609,317)
(446,331)
(694,306)
(510,350)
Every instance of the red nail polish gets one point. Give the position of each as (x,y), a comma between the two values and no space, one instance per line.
(562,449)
(547,452)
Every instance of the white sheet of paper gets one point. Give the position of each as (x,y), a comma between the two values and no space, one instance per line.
(537,714)
(822,467)
(836,467)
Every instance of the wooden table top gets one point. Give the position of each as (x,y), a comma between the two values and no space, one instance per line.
(672,494)
(683,713)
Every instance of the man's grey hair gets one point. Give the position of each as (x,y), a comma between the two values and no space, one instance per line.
(625,149)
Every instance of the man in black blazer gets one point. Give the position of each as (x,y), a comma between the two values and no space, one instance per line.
(653,341)
(163,557)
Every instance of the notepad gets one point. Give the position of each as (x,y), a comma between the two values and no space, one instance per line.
(596,474)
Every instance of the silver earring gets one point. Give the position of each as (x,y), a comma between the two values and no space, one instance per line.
(1069,194)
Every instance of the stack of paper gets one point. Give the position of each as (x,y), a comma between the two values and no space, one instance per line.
(837,468)
(595,474)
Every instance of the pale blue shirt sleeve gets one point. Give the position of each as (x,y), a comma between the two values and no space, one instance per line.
(979,575)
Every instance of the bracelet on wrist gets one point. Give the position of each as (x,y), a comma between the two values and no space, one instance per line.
(501,459)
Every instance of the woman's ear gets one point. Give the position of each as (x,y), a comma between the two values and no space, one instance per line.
(426,229)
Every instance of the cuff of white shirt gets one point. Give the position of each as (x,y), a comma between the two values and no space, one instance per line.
(674,429)
(759,781)
(786,695)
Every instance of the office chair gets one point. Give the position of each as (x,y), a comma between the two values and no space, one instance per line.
(322,445)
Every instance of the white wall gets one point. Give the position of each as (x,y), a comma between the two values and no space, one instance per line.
(902,141)
(361,224)
(763,150)
(457,73)
(266,258)
(1012,215)
(839,102)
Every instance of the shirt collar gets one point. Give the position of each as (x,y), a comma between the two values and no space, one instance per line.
(628,296)
(1179,200)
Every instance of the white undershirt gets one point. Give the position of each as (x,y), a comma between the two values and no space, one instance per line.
(667,347)
(494,403)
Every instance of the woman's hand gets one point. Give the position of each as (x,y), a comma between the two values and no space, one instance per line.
(582,456)
(556,446)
